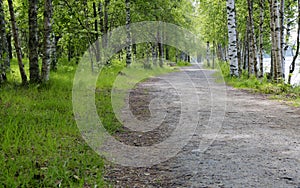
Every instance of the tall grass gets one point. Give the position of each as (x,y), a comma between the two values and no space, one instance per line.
(40,144)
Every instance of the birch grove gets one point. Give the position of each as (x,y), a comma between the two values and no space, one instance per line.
(257,32)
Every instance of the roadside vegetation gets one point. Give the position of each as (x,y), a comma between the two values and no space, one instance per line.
(277,90)
(41,145)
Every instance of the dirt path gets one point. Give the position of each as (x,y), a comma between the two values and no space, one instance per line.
(256,145)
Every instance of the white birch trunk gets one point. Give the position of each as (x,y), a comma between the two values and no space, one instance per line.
(47,41)
(232,37)
(261,31)
(278,51)
(128,39)
(33,44)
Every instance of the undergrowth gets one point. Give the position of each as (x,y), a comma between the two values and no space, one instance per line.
(183,64)
(279,91)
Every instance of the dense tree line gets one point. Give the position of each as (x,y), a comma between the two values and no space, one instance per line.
(45,31)
(243,31)
(238,31)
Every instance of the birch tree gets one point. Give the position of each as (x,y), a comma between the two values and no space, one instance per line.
(282,42)
(96,33)
(47,40)
(293,64)
(105,22)
(128,38)
(17,42)
(208,54)
(232,38)
(160,47)
(276,40)
(33,42)
(4,51)
(252,47)
(261,33)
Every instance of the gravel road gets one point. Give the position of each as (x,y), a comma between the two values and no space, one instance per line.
(241,139)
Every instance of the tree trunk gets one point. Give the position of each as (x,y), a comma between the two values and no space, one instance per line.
(208,54)
(4,51)
(105,19)
(54,52)
(246,51)
(17,42)
(47,41)
(273,44)
(147,61)
(154,54)
(278,50)
(134,50)
(160,45)
(232,37)
(33,42)
(292,66)
(252,37)
(176,55)
(128,32)
(261,31)
(282,42)
(96,33)
(288,27)
(219,52)
(238,54)
(101,20)
(250,50)
(214,54)
(167,52)
(70,51)
(9,45)
(101,25)
(276,41)
(160,48)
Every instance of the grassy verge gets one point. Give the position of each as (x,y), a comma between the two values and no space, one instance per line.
(40,145)
(278,91)
(183,64)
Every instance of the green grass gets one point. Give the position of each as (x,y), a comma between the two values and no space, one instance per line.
(279,91)
(40,144)
(183,64)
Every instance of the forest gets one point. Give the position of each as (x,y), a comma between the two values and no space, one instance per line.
(35,31)
(252,44)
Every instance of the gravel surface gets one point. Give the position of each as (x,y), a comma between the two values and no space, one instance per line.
(241,140)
